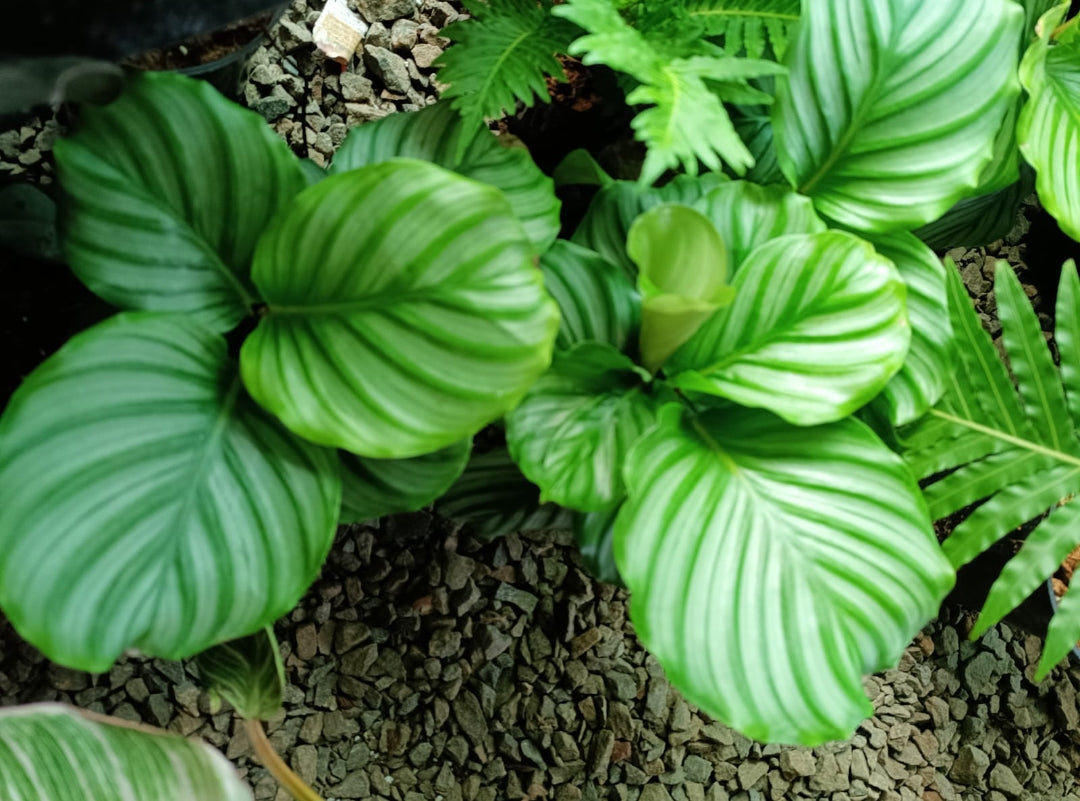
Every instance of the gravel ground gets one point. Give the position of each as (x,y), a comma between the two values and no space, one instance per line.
(426,665)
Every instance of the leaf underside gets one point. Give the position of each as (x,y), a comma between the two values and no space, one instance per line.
(247,672)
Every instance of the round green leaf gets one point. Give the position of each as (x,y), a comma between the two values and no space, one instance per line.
(771,566)
(434,134)
(1049,127)
(595,535)
(748,215)
(247,672)
(682,274)
(891,107)
(146,502)
(572,432)
(404,311)
(596,300)
(372,488)
(930,361)
(817,328)
(496,499)
(616,206)
(52,752)
(167,191)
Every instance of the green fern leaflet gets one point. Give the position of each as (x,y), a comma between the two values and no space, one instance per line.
(1015,446)
(501,56)
(748,27)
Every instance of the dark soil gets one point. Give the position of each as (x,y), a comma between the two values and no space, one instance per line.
(203,49)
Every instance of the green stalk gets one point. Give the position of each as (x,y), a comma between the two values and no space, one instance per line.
(296,786)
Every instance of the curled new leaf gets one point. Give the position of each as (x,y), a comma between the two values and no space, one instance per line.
(247,672)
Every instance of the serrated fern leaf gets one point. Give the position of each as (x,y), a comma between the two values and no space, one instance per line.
(685,124)
(501,56)
(1014,446)
(748,27)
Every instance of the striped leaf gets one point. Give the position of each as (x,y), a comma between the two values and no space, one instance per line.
(748,215)
(922,378)
(615,207)
(572,432)
(146,502)
(982,219)
(1049,127)
(748,26)
(596,300)
(166,192)
(817,329)
(496,499)
(51,752)
(437,134)
(404,311)
(771,566)
(595,535)
(892,106)
(372,488)
(247,672)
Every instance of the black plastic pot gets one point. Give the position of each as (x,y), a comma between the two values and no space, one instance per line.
(229,74)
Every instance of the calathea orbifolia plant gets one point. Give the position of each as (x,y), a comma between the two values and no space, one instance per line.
(172,478)
(717,338)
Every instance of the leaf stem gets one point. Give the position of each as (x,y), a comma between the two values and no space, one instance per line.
(296,786)
(1020,442)
(1060,29)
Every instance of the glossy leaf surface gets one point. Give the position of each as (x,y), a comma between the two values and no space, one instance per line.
(51,752)
(146,502)
(771,566)
(404,311)
(817,328)
(930,359)
(167,191)
(596,300)
(438,134)
(1049,127)
(246,672)
(571,434)
(372,488)
(892,106)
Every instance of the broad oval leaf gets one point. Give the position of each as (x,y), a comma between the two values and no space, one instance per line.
(1049,127)
(595,535)
(246,672)
(404,311)
(372,488)
(615,207)
(921,381)
(146,502)
(596,299)
(891,108)
(682,274)
(52,752)
(496,499)
(166,192)
(572,432)
(817,328)
(437,134)
(748,215)
(771,566)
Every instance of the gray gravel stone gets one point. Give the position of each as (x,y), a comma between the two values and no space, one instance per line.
(970,766)
(385,10)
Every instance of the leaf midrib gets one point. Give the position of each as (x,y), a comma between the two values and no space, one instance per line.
(727,12)
(1020,442)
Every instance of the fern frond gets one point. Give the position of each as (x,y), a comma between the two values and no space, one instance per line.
(686,124)
(748,27)
(501,56)
(1018,446)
